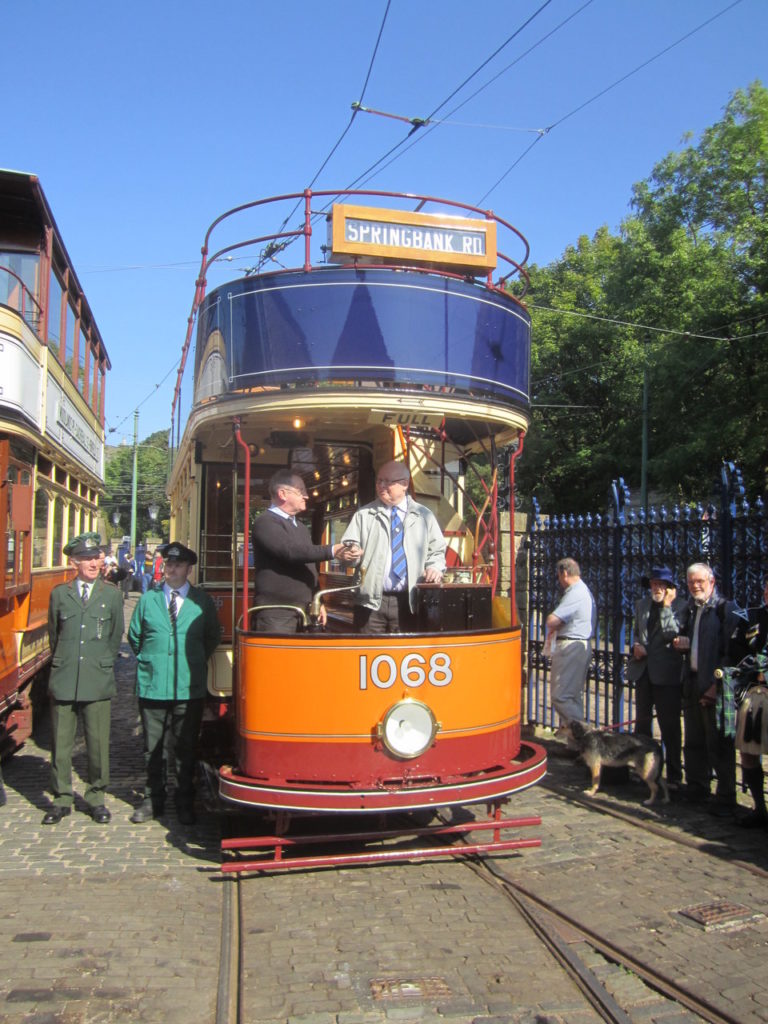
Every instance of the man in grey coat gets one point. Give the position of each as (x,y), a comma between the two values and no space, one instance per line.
(402,545)
(85,628)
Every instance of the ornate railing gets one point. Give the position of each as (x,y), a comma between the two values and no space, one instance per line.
(614,549)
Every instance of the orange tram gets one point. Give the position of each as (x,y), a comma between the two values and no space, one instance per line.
(390,340)
(54,365)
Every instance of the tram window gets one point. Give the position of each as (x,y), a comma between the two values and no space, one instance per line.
(40,530)
(58,530)
(54,310)
(69,341)
(81,357)
(216,532)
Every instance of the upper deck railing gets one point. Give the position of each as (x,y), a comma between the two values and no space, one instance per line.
(15,294)
(277,242)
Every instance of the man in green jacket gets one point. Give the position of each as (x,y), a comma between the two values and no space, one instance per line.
(85,627)
(173,632)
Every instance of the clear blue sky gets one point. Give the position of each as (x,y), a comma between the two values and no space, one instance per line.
(145,121)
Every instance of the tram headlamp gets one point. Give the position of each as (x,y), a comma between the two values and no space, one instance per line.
(408,728)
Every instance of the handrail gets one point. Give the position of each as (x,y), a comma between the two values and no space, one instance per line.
(305,231)
(24,292)
(268,607)
(246,510)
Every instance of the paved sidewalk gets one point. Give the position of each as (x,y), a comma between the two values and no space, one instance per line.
(105,923)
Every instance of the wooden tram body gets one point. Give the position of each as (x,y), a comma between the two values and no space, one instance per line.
(53,366)
(392,350)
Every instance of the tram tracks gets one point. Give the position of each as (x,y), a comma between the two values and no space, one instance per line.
(570,940)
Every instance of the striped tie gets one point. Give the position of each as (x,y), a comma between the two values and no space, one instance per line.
(398,571)
(172,608)
(84,593)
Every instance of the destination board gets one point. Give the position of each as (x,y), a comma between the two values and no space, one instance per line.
(386,236)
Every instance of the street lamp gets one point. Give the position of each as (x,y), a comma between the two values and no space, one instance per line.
(153,511)
(115,519)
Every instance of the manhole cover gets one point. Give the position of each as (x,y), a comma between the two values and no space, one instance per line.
(410,988)
(719,914)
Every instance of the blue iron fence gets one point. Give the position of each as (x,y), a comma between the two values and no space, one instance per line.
(614,550)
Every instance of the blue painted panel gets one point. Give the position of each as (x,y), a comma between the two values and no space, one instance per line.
(382,324)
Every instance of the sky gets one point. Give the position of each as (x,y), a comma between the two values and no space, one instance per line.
(146,121)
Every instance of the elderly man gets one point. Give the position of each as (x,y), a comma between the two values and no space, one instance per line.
(85,628)
(402,545)
(284,556)
(174,630)
(712,622)
(569,630)
(656,667)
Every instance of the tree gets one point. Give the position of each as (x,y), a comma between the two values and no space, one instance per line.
(152,477)
(692,266)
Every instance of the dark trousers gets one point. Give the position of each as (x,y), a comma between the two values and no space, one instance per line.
(171,728)
(394,616)
(277,620)
(96,718)
(668,703)
(707,750)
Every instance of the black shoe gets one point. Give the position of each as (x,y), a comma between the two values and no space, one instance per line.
(101,815)
(186,815)
(146,811)
(755,819)
(55,814)
(721,809)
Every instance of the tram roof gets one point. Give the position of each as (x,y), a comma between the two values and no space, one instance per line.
(23,204)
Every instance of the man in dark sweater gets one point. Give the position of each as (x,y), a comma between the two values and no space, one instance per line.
(285,557)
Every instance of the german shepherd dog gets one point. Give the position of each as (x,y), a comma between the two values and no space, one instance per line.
(600,748)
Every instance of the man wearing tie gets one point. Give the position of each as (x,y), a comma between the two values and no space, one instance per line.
(85,628)
(402,545)
(284,557)
(174,630)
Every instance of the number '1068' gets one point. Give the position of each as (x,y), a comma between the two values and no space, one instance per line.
(413,670)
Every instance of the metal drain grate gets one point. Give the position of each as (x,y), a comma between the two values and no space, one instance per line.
(410,988)
(719,914)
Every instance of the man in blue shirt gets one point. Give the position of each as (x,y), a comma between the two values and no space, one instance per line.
(570,628)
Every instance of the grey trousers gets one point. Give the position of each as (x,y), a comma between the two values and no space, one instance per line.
(570,664)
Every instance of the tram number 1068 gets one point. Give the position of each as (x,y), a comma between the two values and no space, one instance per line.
(413,670)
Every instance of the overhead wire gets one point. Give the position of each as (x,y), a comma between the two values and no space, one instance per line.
(355,108)
(607,89)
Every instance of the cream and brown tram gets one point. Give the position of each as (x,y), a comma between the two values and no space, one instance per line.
(389,340)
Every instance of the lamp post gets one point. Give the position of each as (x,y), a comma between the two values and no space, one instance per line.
(153,511)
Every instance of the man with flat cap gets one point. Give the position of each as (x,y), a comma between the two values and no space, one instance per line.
(656,667)
(85,627)
(174,630)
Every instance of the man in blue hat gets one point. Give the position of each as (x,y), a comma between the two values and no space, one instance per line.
(656,667)
(174,630)
(85,628)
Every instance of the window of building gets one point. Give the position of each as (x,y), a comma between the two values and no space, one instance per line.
(82,359)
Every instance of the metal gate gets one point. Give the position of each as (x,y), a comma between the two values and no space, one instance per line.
(614,549)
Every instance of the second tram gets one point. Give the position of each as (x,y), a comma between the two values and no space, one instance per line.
(53,365)
(396,345)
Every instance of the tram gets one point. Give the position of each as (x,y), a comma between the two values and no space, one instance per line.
(53,365)
(389,340)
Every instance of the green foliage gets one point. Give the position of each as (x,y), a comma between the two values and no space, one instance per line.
(694,260)
(152,462)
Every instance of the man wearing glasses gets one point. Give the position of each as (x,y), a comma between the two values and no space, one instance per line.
(284,556)
(402,545)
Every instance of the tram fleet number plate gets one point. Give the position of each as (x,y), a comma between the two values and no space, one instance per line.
(413,670)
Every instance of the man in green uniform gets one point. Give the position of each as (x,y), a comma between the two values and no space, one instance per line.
(85,627)
(173,632)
